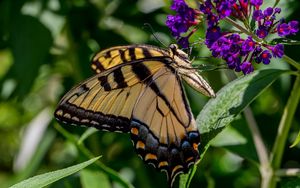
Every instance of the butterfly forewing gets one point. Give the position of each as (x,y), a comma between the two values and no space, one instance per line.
(106,100)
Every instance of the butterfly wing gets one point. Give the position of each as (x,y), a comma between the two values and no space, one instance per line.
(106,100)
(163,128)
(137,89)
(118,55)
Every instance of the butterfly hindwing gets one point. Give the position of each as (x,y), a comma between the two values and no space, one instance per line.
(163,129)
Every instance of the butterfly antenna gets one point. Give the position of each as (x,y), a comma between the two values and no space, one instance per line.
(207,67)
(147,25)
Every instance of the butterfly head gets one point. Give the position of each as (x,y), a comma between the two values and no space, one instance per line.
(175,51)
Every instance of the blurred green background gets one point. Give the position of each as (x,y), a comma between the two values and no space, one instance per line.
(45,49)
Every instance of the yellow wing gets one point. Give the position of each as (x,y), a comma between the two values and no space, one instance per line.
(163,128)
(115,56)
(138,89)
(106,100)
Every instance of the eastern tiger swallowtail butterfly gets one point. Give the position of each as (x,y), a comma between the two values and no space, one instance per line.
(138,89)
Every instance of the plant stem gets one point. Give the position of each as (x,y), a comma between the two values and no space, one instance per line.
(291,62)
(265,169)
(257,138)
(284,127)
(242,29)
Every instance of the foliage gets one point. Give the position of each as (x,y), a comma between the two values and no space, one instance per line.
(45,49)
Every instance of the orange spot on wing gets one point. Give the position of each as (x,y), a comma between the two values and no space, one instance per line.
(140,145)
(195,146)
(162,164)
(150,156)
(134,131)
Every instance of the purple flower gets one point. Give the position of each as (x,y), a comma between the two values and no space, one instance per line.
(212,20)
(224,9)
(179,6)
(256,2)
(277,10)
(294,27)
(262,32)
(268,12)
(248,45)
(176,24)
(246,67)
(277,50)
(264,57)
(220,47)
(212,34)
(268,23)
(258,15)
(206,8)
(182,21)
(233,62)
(283,29)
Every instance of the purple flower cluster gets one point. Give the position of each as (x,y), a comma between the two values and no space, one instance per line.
(266,23)
(238,52)
(182,21)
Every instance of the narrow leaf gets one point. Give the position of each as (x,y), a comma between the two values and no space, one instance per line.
(297,141)
(86,134)
(185,179)
(285,41)
(50,177)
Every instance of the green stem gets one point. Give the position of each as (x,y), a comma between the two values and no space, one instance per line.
(261,149)
(242,29)
(284,127)
(276,3)
(291,62)
(265,168)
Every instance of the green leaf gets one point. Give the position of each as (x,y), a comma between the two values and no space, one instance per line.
(50,177)
(297,141)
(94,179)
(290,183)
(230,101)
(30,41)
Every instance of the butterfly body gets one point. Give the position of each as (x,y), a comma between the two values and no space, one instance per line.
(138,89)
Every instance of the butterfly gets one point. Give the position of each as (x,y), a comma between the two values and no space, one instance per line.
(138,89)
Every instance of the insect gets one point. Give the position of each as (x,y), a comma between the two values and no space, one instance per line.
(138,89)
